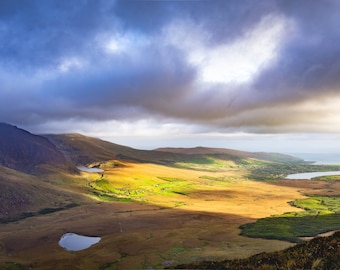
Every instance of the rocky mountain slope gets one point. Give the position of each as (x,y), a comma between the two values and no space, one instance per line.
(25,152)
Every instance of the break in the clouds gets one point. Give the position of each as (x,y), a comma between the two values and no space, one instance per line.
(250,66)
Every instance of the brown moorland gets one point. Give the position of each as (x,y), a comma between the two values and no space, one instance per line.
(160,231)
(149,212)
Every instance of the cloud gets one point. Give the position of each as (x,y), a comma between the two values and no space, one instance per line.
(220,65)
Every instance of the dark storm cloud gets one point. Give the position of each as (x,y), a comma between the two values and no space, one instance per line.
(36,34)
(225,20)
(102,60)
(309,63)
(129,82)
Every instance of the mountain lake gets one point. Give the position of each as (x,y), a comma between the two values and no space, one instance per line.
(76,242)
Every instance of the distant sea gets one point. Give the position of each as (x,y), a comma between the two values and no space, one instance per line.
(319,158)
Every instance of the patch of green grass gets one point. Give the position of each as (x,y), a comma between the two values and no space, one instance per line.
(13,266)
(173,188)
(327,178)
(290,228)
(171,179)
(102,185)
(322,214)
(105,190)
(207,163)
(110,197)
(223,179)
(320,204)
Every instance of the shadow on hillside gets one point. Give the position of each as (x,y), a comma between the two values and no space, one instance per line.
(319,253)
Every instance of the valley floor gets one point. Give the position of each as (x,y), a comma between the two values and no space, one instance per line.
(164,216)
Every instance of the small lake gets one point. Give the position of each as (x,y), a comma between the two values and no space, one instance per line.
(76,242)
(90,170)
(310,175)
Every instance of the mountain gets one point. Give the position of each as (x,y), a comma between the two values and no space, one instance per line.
(28,165)
(206,151)
(231,153)
(83,150)
(26,152)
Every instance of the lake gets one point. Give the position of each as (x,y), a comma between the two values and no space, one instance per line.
(310,175)
(76,242)
(90,170)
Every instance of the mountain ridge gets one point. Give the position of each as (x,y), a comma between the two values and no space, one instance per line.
(84,150)
(26,152)
(200,150)
(203,150)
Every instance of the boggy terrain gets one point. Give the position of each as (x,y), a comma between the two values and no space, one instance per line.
(156,209)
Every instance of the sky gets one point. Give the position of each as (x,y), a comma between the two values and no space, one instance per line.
(250,75)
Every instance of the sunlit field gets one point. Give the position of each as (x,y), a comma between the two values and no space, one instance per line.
(158,216)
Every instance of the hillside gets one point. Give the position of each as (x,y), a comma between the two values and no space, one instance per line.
(83,150)
(26,152)
(80,149)
(319,253)
(231,153)
(28,165)
(23,195)
(205,151)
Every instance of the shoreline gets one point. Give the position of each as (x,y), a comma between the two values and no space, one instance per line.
(325,234)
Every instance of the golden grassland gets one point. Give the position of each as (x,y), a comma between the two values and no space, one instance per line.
(154,216)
